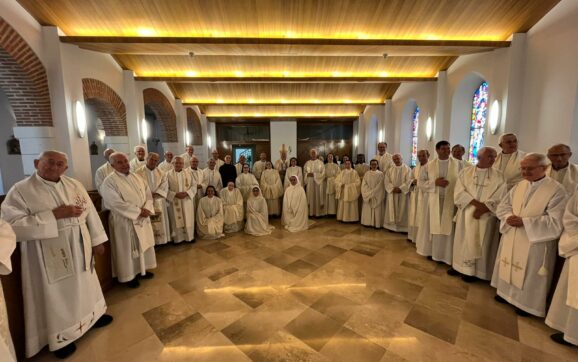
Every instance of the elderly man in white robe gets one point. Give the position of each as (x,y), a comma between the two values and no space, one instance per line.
(331,171)
(210,218)
(293,170)
(233,210)
(198,178)
(397,181)
(103,171)
(159,187)
(508,161)
(372,192)
(257,215)
(132,238)
(181,198)
(239,165)
(188,155)
(139,158)
(59,232)
(245,181)
(215,157)
(360,166)
(563,312)
(282,163)
(561,169)
(347,192)
(259,165)
(417,200)
(531,223)
(436,232)
(314,178)
(294,217)
(272,189)
(212,176)
(167,163)
(383,157)
(479,190)
(458,152)
(7,246)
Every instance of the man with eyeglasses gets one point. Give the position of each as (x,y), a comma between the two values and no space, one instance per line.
(561,169)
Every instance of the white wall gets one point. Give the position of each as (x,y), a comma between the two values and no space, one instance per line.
(283,132)
(10,165)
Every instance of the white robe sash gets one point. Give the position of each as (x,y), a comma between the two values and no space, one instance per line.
(442,224)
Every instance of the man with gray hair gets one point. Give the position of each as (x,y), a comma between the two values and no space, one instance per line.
(59,232)
(530,223)
(167,163)
(130,201)
(188,155)
(314,175)
(139,160)
(479,190)
(103,171)
(508,161)
(458,152)
(561,169)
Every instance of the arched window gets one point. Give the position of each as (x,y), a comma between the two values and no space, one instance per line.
(478,121)
(414,126)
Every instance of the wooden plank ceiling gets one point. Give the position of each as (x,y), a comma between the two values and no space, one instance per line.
(279,58)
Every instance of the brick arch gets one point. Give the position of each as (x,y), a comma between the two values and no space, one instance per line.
(164,113)
(23,80)
(107,105)
(194,125)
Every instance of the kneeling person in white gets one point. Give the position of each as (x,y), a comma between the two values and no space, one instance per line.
(372,191)
(477,195)
(59,232)
(257,214)
(397,181)
(233,210)
(210,219)
(531,223)
(132,238)
(294,216)
(181,198)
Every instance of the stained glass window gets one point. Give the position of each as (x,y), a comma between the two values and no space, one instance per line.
(478,121)
(414,126)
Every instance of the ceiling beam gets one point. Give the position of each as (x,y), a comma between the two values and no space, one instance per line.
(331,103)
(286,79)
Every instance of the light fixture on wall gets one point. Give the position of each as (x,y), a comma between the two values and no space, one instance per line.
(494,116)
(355,140)
(80,119)
(101,135)
(429,128)
(187,138)
(144,129)
(209,144)
(380,137)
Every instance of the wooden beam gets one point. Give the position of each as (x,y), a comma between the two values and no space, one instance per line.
(336,103)
(286,79)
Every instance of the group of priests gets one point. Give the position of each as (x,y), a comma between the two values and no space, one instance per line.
(504,218)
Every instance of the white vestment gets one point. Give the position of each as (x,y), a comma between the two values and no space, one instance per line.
(7,246)
(294,216)
(385,161)
(132,236)
(166,166)
(233,211)
(509,165)
(257,216)
(281,166)
(212,178)
(463,164)
(272,190)
(436,230)
(210,218)
(199,180)
(135,164)
(418,202)
(372,192)
(160,220)
(258,168)
(186,159)
(181,211)
(239,168)
(563,312)
(245,183)
(476,240)
(568,177)
(396,209)
(101,173)
(361,169)
(293,171)
(526,256)
(315,187)
(62,294)
(347,191)
(218,164)
(331,172)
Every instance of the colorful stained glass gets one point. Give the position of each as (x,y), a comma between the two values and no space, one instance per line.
(478,121)
(414,126)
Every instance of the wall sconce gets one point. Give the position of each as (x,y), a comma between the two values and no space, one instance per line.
(101,135)
(495,116)
(380,137)
(187,138)
(355,140)
(209,144)
(144,129)
(80,119)
(429,128)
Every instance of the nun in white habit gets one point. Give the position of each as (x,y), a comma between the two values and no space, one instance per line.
(295,212)
(210,219)
(257,214)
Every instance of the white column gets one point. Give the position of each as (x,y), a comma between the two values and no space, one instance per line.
(34,140)
(134,109)
(389,127)
(441,120)
(515,84)
(361,139)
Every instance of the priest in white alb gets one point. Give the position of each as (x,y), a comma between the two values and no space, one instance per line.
(239,165)
(347,192)
(372,192)
(215,157)
(360,166)
(530,223)
(508,161)
(245,182)
(7,247)
(197,178)
(130,201)
(458,152)
(294,217)
(561,169)
(282,163)
(436,232)
(314,178)
(167,163)
(159,187)
(479,190)
(293,170)
(397,181)
(188,155)
(383,157)
(563,312)
(272,189)
(103,171)
(182,190)
(59,232)
(331,171)
(139,158)
(212,176)
(259,165)
(417,200)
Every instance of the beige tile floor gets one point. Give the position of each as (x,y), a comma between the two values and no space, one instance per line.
(337,292)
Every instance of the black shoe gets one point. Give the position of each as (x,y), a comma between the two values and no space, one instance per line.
(133,283)
(499,299)
(559,338)
(469,278)
(148,275)
(453,272)
(65,352)
(430,258)
(522,313)
(103,321)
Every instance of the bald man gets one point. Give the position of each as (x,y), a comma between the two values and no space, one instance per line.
(188,155)
(561,169)
(103,171)
(508,161)
(167,163)
(139,160)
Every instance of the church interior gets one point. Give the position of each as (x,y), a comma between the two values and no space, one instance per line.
(393,147)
